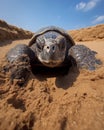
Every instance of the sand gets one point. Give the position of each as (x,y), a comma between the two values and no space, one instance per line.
(88,34)
(64,102)
(74,101)
(10,32)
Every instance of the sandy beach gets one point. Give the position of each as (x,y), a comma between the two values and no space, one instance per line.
(74,101)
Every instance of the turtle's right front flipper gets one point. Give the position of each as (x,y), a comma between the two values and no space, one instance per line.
(19,59)
(84,57)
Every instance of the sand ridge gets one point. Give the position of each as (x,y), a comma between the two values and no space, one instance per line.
(10,32)
(88,34)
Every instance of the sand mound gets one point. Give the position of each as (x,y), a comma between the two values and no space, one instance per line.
(61,102)
(88,34)
(10,32)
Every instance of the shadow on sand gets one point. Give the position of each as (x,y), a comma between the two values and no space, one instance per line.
(65,77)
(67,80)
(5,43)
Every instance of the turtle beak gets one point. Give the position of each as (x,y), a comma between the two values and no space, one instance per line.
(51,49)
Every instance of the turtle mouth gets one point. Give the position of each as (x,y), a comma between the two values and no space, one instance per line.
(51,64)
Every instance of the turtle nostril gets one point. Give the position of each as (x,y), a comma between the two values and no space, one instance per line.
(47,47)
(53,48)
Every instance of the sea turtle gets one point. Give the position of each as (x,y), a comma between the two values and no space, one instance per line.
(51,47)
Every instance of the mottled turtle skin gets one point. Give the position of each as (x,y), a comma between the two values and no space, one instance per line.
(51,47)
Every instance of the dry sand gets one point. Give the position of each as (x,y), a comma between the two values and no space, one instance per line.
(71,102)
(63,102)
(88,34)
(10,32)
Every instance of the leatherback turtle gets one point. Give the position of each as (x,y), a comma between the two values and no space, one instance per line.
(51,47)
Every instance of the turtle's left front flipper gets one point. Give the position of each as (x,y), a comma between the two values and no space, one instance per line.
(19,59)
(84,57)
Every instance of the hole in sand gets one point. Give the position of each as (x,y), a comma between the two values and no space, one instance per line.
(17,103)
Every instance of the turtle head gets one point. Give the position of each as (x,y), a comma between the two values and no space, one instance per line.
(51,52)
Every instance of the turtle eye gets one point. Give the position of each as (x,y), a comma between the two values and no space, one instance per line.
(40,44)
(61,43)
